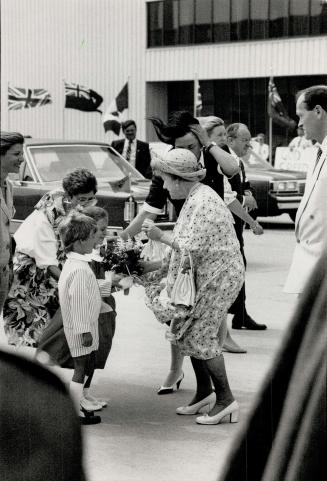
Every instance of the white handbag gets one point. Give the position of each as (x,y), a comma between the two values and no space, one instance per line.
(183,291)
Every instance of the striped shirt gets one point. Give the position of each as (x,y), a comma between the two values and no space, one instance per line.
(80,302)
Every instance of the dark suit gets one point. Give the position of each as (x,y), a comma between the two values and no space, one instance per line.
(142,156)
(239,185)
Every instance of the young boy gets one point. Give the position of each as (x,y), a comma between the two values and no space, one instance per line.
(80,302)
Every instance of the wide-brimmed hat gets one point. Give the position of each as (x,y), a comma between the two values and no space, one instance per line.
(179,162)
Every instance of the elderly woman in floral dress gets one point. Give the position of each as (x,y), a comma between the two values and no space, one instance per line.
(33,297)
(204,229)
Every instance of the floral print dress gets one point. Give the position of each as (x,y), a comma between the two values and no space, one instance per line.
(33,297)
(204,229)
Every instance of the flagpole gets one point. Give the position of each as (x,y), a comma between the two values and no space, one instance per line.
(270,125)
(195,93)
(8,106)
(63,112)
(128,93)
(270,140)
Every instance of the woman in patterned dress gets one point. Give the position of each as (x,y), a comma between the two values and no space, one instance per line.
(205,230)
(33,297)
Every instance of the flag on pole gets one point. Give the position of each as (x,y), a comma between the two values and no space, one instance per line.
(115,113)
(82,98)
(197,98)
(24,98)
(276,109)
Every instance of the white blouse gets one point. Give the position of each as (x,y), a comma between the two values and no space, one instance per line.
(36,238)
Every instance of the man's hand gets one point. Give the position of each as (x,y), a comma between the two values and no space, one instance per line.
(250,202)
(201,134)
(87,339)
(153,232)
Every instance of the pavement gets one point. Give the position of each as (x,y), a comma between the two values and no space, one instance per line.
(141,437)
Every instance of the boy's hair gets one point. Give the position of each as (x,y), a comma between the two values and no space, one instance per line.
(95,212)
(76,226)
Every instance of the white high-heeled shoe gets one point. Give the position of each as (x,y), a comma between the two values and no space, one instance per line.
(170,389)
(203,406)
(232,411)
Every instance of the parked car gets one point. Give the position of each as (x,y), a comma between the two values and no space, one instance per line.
(277,191)
(121,188)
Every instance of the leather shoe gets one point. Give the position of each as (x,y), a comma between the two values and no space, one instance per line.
(232,411)
(248,323)
(203,406)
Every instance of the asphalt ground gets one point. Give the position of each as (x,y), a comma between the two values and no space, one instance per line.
(141,437)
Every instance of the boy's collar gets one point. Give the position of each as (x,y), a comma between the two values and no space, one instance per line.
(79,257)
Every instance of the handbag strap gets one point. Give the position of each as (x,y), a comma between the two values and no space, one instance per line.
(186,253)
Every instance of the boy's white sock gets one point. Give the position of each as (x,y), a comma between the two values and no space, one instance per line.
(76,392)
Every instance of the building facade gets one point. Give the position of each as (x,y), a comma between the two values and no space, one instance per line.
(231,46)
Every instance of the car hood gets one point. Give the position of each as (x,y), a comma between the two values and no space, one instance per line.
(275,174)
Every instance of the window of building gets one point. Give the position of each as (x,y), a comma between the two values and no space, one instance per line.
(299,17)
(278,19)
(259,14)
(221,20)
(155,23)
(203,16)
(186,21)
(239,20)
(318,17)
(170,22)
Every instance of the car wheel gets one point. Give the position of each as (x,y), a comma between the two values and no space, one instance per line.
(292,215)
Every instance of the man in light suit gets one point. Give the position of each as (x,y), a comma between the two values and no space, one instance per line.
(311,217)
(134,151)
(11,150)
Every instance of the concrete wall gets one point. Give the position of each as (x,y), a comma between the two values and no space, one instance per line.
(102,43)
(97,43)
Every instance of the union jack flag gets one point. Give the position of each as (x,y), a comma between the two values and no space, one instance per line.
(22,98)
(82,98)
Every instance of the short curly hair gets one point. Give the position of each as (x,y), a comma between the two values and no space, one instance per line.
(8,139)
(79,181)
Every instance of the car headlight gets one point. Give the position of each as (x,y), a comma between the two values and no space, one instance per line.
(286,186)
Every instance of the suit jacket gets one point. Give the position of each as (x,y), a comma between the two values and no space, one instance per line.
(239,185)
(310,227)
(142,156)
(7,211)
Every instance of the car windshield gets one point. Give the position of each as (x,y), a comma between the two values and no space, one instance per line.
(256,162)
(53,162)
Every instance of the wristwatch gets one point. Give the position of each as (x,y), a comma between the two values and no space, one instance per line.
(212,144)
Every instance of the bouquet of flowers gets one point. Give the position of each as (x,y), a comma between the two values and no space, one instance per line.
(123,257)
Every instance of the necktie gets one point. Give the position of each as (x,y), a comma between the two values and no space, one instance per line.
(318,157)
(129,150)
